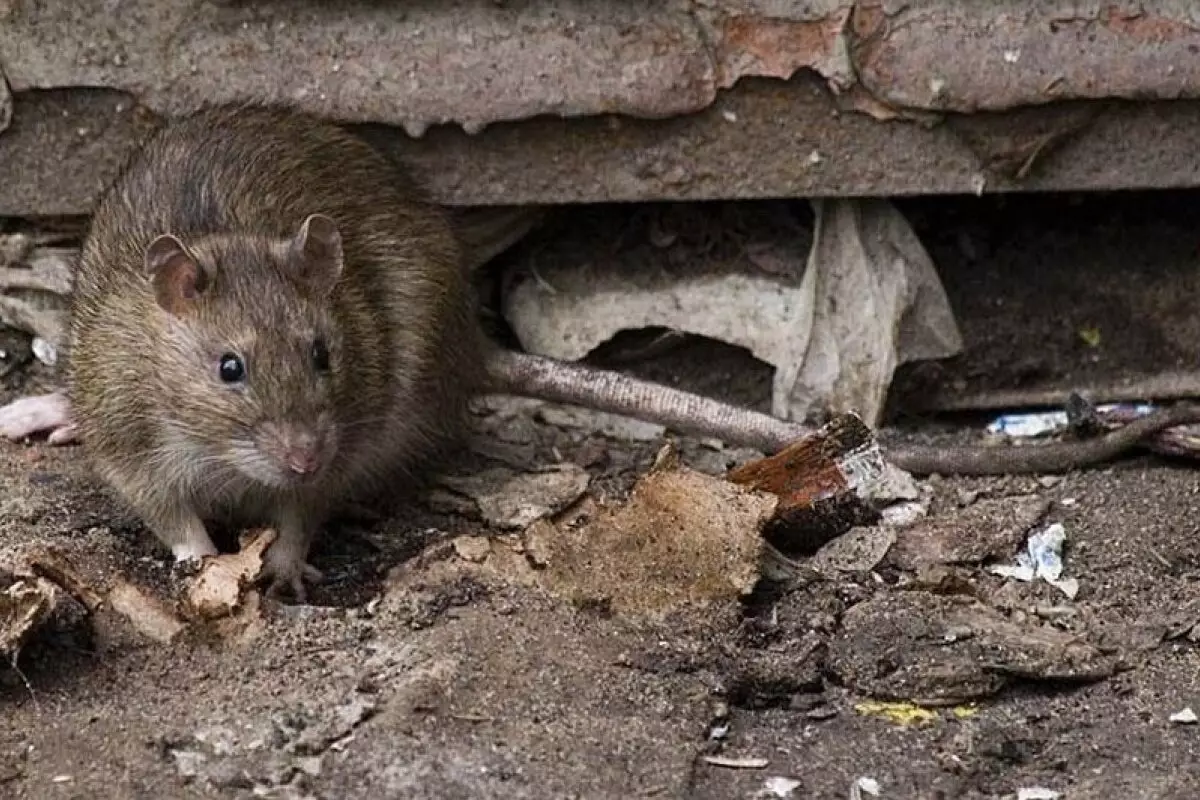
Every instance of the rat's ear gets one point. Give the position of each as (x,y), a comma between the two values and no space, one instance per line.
(177,276)
(315,254)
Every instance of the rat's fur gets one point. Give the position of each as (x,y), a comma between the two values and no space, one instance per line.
(233,184)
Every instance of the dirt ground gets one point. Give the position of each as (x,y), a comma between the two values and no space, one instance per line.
(426,669)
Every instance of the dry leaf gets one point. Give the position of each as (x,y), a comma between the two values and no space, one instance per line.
(24,604)
(217,591)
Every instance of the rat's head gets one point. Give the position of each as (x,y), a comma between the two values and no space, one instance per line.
(248,322)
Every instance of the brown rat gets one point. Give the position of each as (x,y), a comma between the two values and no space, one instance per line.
(269,317)
(266,316)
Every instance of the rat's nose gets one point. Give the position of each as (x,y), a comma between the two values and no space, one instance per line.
(303,459)
(301,452)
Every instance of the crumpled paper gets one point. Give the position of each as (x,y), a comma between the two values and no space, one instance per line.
(834,313)
(1042,558)
(877,303)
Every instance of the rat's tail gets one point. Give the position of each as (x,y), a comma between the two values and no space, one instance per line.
(543,378)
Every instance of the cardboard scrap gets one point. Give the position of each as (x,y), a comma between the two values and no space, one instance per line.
(682,538)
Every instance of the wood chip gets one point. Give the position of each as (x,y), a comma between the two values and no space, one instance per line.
(736,763)
(223,580)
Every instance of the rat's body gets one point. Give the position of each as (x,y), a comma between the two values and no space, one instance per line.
(269,319)
(382,288)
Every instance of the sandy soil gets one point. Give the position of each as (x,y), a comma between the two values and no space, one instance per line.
(422,669)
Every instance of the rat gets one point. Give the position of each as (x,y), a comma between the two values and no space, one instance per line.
(270,318)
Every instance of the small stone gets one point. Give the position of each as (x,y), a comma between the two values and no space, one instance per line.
(309,765)
(188,762)
(472,548)
(1184,717)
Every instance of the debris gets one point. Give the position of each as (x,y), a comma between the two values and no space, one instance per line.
(25,603)
(937,650)
(54,567)
(188,762)
(824,482)
(309,765)
(1185,717)
(611,425)
(864,785)
(472,548)
(511,500)
(1121,404)
(770,293)
(736,763)
(33,295)
(223,580)
(986,529)
(779,787)
(1184,620)
(147,615)
(1042,558)
(15,350)
(1151,430)
(877,303)
(858,550)
(1165,385)
(315,739)
(1038,793)
(1090,335)
(900,713)
(682,538)
(1024,426)
(904,514)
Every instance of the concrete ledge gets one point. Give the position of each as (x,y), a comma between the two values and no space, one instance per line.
(567,101)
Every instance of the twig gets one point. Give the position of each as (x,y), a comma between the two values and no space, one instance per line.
(1171,385)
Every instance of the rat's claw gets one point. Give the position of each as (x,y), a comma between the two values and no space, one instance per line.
(290,579)
(186,568)
(39,413)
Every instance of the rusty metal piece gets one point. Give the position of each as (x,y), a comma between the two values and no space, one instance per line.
(824,483)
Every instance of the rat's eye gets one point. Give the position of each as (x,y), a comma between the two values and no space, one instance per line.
(232,370)
(320,355)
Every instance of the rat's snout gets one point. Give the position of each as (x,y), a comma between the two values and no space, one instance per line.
(301,455)
(300,452)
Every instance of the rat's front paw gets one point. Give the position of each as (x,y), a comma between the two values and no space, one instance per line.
(286,572)
(186,569)
(42,413)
